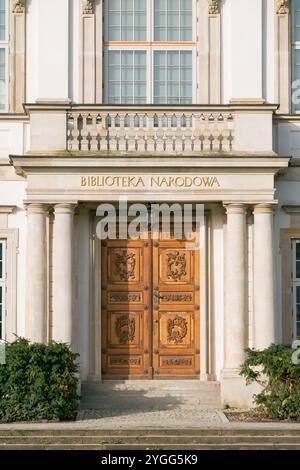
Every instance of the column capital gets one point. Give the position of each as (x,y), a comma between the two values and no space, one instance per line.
(214,7)
(236,208)
(282,7)
(18,6)
(87,7)
(264,208)
(64,208)
(36,208)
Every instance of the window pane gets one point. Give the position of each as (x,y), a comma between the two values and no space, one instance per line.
(2,20)
(298,312)
(1,311)
(127,77)
(173,20)
(127,20)
(173,77)
(2,79)
(1,260)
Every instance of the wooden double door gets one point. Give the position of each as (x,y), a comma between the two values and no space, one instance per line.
(150,309)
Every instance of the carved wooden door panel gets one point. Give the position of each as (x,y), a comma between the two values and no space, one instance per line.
(125,309)
(176,311)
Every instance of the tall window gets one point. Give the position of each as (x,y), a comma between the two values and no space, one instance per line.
(296,288)
(3,54)
(149,51)
(2,287)
(296,50)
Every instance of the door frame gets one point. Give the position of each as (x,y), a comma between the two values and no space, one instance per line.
(207,366)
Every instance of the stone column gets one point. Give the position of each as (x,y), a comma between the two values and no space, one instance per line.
(264,303)
(235,287)
(233,388)
(36,274)
(63,273)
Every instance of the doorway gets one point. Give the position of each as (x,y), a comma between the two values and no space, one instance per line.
(150,308)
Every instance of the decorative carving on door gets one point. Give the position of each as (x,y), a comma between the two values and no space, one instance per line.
(177,362)
(176,265)
(177,329)
(176,297)
(119,297)
(125,329)
(125,265)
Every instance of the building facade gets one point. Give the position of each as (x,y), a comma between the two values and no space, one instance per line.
(151,101)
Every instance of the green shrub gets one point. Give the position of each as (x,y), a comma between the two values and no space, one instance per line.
(38,382)
(280,380)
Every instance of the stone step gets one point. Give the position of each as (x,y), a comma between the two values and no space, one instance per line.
(149,440)
(151,385)
(259,431)
(235,446)
(150,394)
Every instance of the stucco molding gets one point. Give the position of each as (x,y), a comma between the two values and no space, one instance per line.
(18,6)
(282,7)
(87,7)
(214,7)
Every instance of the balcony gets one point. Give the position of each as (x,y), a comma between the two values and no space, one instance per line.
(200,130)
(150,129)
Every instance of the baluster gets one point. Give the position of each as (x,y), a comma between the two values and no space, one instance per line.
(94,132)
(150,134)
(131,134)
(70,128)
(104,133)
(141,144)
(230,132)
(187,134)
(76,132)
(169,133)
(113,134)
(122,133)
(85,133)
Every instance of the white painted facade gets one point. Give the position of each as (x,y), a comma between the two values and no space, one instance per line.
(243,66)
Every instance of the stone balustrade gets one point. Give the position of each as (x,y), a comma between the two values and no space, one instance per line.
(150,129)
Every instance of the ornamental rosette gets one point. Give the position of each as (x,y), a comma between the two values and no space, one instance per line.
(18,6)
(282,7)
(87,7)
(214,7)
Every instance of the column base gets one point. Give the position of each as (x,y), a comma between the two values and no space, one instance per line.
(234,391)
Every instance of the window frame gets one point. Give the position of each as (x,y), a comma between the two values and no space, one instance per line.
(4,44)
(3,285)
(295,284)
(150,47)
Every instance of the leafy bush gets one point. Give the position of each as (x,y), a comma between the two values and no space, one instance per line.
(38,382)
(280,380)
